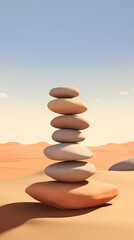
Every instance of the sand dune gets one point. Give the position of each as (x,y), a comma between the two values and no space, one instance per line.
(22,217)
(18,160)
(109,154)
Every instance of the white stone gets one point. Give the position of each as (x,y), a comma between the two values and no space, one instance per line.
(67,152)
(70,171)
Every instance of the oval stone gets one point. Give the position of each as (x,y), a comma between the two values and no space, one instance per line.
(70,171)
(68,135)
(127,165)
(70,121)
(64,92)
(67,106)
(72,195)
(67,152)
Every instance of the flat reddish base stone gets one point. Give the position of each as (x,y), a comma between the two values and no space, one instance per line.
(72,195)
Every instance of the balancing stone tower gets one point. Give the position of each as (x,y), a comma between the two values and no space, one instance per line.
(71,190)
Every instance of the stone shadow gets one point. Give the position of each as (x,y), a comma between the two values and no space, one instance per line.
(15,214)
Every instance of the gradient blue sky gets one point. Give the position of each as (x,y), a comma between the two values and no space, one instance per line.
(86,44)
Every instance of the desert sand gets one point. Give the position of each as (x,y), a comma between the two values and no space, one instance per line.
(24,218)
(17,160)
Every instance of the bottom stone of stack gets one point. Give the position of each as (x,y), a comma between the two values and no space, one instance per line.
(70,171)
(72,195)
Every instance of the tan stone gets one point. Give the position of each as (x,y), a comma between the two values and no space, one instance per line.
(68,135)
(70,171)
(72,195)
(67,106)
(64,92)
(70,121)
(67,152)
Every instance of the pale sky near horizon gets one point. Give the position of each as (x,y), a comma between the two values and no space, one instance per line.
(85,44)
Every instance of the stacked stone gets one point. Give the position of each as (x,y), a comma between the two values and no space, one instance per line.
(71,190)
(69,150)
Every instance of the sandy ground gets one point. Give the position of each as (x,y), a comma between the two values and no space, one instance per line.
(24,218)
(21,217)
(17,160)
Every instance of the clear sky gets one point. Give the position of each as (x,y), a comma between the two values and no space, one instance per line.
(85,44)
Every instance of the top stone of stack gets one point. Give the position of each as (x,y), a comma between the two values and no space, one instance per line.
(64,92)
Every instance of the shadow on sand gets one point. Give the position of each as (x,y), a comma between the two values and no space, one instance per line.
(15,214)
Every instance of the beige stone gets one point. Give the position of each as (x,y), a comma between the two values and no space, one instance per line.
(64,92)
(73,195)
(68,135)
(67,106)
(70,121)
(67,152)
(70,171)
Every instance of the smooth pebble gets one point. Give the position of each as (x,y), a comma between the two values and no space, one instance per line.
(127,165)
(64,92)
(67,152)
(70,171)
(70,121)
(72,195)
(67,106)
(68,135)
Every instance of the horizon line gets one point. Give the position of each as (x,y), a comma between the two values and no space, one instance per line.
(70,143)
